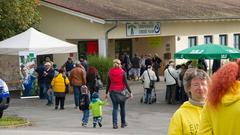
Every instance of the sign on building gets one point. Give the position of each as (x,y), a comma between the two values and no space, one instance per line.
(137,29)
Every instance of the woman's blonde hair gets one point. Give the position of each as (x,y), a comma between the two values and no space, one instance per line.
(116,63)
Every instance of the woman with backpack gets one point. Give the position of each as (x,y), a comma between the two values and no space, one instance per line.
(92,77)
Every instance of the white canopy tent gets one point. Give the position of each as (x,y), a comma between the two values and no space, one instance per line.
(35,41)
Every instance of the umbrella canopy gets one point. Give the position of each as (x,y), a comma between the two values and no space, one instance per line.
(35,41)
(208,51)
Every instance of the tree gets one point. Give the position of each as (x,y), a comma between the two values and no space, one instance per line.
(17,16)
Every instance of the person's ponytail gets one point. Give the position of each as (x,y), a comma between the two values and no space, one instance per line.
(222,80)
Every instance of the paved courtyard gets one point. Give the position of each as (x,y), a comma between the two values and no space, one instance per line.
(142,119)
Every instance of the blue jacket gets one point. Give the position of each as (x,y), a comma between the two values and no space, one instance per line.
(84,102)
(4,95)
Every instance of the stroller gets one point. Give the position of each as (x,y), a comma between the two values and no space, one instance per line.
(150,98)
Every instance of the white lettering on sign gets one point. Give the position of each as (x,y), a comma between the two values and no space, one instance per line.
(196,51)
(223,56)
(135,29)
(232,51)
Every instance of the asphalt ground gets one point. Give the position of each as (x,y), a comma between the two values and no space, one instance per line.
(142,119)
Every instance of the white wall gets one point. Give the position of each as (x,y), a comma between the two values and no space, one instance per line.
(65,26)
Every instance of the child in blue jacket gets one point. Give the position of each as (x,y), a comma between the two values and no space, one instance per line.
(84,105)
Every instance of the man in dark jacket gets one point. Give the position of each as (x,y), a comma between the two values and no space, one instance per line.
(40,70)
(156,65)
(135,70)
(68,65)
(48,75)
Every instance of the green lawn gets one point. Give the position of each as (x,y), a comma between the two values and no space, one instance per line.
(12,121)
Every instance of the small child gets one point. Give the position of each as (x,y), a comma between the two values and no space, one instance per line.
(84,105)
(96,108)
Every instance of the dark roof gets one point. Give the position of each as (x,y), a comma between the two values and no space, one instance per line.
(154,9)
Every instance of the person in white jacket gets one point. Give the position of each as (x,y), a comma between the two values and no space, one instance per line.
(170,76)
(148,75)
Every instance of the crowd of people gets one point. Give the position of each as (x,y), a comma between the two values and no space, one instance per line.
(135,66)
(82,79)
(207,102)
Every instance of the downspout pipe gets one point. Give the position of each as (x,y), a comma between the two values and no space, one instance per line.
(106,35)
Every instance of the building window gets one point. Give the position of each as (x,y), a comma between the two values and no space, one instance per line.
(237,41)
(207,39)
(223,39)
(192,41)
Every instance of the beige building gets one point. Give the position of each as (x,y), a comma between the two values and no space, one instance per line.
(108,28)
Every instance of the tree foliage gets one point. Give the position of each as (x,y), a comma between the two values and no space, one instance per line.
(17,16)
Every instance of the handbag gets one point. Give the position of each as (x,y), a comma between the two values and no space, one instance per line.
(151,85)
(123,95)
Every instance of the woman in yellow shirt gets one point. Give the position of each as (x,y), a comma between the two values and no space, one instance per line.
(185,120)
(220,115)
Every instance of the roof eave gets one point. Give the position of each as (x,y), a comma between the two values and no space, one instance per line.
(175,20)
(71,12)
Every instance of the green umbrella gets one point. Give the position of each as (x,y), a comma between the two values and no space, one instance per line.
(208,51)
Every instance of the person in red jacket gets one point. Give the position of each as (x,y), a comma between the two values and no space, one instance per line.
(117,82)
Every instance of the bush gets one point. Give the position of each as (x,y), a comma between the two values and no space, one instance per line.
(102,64)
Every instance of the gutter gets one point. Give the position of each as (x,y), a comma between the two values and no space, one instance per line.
(175,20)
(106,34)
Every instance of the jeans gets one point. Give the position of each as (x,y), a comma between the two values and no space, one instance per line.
(116,102)
(148,95)
(49,95)
(85,117)
(76,92)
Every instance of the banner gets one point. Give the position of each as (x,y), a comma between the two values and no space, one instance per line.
(138,29)
(154,42)
(27,61)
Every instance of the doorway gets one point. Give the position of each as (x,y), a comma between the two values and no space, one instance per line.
(86,48)
(123,46)
(41,58)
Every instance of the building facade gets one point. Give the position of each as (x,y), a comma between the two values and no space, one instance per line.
(108,36)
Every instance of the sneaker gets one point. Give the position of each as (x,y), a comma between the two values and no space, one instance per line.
(84,125)
(100,124)
(94,125)
(115,126)
(56,107)
(49,104)
(123,125)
